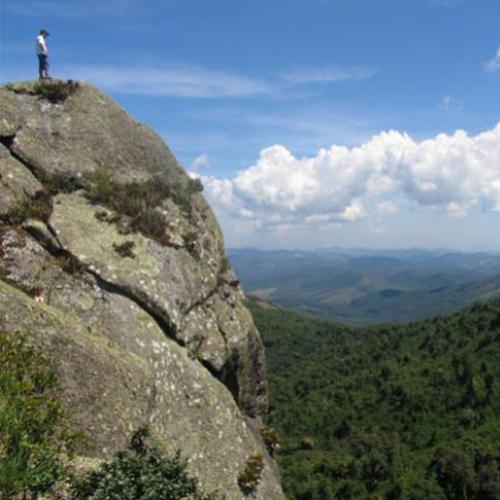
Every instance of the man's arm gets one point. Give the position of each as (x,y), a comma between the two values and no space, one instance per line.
(42,45)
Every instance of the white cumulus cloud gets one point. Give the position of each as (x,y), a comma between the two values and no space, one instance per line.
(449,173)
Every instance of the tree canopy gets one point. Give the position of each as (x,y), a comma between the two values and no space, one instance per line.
(391,411)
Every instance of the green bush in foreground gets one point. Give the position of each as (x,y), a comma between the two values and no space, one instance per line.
(32,423)
(141,472)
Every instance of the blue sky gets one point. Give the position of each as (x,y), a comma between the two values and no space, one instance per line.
(312,123)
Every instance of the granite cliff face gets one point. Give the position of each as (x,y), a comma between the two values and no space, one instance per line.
(112,262)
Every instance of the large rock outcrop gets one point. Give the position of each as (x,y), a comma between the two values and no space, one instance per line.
(112,262)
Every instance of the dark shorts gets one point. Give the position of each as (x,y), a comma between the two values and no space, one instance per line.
(43,62)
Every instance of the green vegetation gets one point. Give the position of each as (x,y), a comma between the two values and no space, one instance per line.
(70,264)
(56,91)
(38,207)
(195,185)
(62,182)
(140,202)
(137,197)
(36,443)
(33,429)
(250,476)
(271,440)
(126,249)
(409,412)
(141,472)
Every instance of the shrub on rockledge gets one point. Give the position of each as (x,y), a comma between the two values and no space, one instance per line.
(141,202)
(251,475)
(38,207)
(33,429)
(138,473)
(56,91)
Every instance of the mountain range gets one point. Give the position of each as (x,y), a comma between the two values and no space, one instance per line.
(364,287)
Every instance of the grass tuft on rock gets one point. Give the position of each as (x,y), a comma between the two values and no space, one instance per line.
(126,249)
(56,91)
(38,207)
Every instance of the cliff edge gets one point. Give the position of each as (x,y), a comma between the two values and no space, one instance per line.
(112,262)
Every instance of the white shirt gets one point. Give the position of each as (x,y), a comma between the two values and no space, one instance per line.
(41,46)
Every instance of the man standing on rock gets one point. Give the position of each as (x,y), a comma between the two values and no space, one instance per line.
(43,54)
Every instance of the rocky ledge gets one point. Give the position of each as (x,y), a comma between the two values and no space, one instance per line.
(112,262)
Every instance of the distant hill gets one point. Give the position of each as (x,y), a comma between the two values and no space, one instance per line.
(390,412)
(362,287)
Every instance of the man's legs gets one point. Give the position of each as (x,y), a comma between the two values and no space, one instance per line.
(46,67)
(43,67)
(40,66)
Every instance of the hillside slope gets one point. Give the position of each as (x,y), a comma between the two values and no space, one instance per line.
(112,263)
(407,411)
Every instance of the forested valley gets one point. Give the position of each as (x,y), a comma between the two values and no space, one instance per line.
(391,412)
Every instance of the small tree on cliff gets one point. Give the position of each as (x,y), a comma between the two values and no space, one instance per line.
(141,472)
